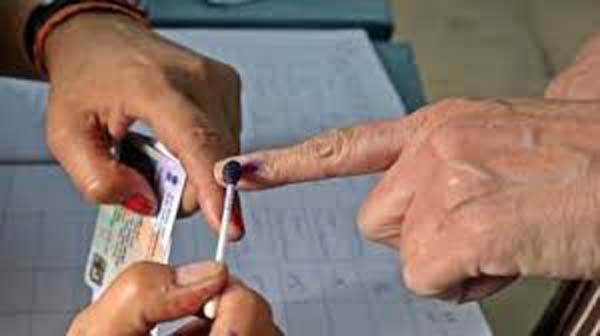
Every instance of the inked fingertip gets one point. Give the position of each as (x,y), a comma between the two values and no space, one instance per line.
(251,167)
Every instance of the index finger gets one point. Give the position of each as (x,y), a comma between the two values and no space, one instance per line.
(199,145)
(362,149)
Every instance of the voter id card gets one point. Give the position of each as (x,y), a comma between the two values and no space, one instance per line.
(123,237)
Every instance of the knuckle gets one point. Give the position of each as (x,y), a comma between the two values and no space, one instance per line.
(95,192)
(225,74)
(366,224)
(469,214)
(56,137)
(466,184)
(457,104)
(150,77)
(135,277)
(144,287)
(440,113)
(98,189)
(382,222)
(276,169)
(202,137)
(414,280)
(137,270)
(233,76)
(57,133)
(367,229)
(555,90)
(463,216)
(332,147)
(197,140)
(450,140)
(474,220)
(256,303)
(156,87)
(143,63)
(198,66)
(189,203)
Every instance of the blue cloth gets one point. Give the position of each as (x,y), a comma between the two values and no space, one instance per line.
(371,15)
(399,62)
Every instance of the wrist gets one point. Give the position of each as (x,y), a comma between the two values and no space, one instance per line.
(45,19)
(75,37)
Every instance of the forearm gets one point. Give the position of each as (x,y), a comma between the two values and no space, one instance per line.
(13,58)
(581,80)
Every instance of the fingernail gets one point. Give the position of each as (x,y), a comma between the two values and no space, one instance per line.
(235,231)
(237,228)
(140,204)
(206,272)
(238,221)
(237,212)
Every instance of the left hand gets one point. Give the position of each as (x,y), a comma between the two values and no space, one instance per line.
(148,293)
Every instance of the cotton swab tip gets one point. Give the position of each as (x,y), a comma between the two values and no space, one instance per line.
(232,172)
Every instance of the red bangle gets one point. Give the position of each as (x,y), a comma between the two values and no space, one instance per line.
(68,12)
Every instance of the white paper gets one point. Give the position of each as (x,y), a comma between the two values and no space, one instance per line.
(302,249)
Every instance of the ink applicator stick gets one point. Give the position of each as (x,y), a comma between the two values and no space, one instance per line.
(232,173)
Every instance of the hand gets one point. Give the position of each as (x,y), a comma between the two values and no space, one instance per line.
(475,193)
(147,293)
(581,80)
(105,72)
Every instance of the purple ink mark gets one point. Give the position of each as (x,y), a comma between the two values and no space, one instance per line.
(250,167)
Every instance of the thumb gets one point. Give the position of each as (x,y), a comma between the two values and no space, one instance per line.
(191,288)
(361,149)
(80,142)
(147,294)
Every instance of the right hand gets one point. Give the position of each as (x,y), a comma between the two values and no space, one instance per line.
(148,293)
(581,80)
(476,192)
